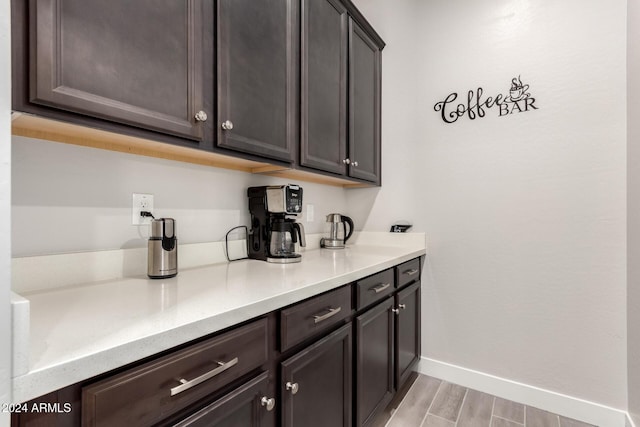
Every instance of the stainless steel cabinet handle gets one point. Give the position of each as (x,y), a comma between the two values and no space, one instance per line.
(355,164)
(269,403)
(396,310)
(346,161)
(227,125)
(292,386)
(332,312)
(201,116)
(186,384)
(411,272)
(402,306)
(381,287)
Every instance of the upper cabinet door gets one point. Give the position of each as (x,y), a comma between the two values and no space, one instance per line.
(257,76)
(364,105)
(136,62)
(324,85)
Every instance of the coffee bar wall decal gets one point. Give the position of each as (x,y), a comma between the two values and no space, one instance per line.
(519,100)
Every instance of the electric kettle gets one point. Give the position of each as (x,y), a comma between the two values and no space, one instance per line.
(336,231)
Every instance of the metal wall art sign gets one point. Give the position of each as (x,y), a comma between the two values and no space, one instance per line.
(519,100)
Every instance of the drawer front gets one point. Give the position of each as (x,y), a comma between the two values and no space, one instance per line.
(145,395)
(374,288)
(407,272)
(310,317)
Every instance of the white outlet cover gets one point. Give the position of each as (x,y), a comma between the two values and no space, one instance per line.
(141,202)
(310,213)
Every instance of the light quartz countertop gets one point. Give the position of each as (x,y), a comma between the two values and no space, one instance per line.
(80,331)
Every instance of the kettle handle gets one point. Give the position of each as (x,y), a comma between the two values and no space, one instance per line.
(348,222)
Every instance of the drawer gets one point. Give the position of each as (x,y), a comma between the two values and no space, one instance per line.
(310,317)
(407,272)
(374,288)
(146,394)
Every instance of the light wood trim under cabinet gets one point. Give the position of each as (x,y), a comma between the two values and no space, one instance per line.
(30,126)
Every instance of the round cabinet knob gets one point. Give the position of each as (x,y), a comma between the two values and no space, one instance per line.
(227,125)
(354,164)
(292,386)
(346,161)
(402,306)
(201,116)
(396,310)
(269,403)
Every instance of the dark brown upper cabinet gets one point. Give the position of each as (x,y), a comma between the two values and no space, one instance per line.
(257,50)
(138,63)
(324,85)
(340,91)
(364,105)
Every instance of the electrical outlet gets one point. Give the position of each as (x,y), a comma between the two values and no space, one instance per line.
(141,202)
(310,213)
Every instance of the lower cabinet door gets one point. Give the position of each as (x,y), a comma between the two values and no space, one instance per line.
(374,361)
(248,405)
(407,332)
(316,383)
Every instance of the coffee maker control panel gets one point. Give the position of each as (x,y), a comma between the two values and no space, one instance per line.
(286,199)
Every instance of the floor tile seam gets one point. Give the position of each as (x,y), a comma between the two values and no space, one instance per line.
(442,418)
(507,419)
(493,407)
(464,398)
(431,404)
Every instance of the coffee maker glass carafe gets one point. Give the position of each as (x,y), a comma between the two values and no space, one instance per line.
(285,233)
(338,229)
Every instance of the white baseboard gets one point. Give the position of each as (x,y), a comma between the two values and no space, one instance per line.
(571,407)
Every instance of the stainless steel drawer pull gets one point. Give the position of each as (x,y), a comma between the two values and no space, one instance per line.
(411,272)
(332,312)
(381,287)
(269,403)
(187,384)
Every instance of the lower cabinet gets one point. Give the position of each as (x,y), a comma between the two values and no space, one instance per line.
(316,383)
(407,331)
(374,361)
(247,406)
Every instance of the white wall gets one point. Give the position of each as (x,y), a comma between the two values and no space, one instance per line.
(68,198)
(525,214)
(5,208)
(633,209)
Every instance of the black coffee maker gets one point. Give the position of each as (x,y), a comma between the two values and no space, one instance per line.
(274,232)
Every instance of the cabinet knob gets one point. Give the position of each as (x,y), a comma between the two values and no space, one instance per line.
(396,310)
(292,386)
(354,164)
(346,161)
(227,125)
(402,306)
(269,403)
(201,116)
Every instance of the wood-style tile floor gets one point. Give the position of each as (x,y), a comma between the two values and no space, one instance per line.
(431,402)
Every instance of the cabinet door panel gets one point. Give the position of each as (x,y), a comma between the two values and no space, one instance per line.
(257,56)
(407,332)
(324,85)
(364,105)
(241,407)
(139,63)
(374,356)
(322,373)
